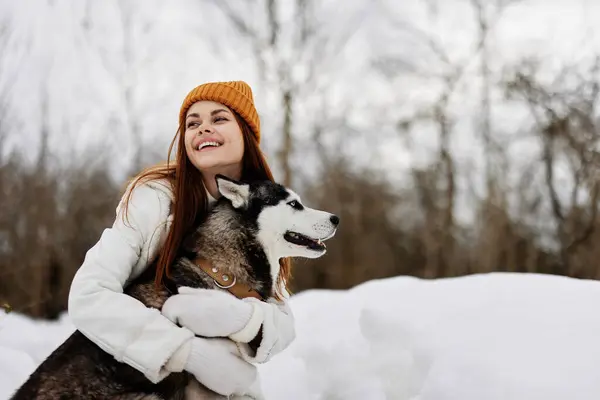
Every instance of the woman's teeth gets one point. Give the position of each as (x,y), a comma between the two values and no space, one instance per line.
(206,144)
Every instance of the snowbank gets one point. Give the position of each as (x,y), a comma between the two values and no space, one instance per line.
(493,337)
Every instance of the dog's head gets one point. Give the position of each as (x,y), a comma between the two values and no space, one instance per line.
(283,225)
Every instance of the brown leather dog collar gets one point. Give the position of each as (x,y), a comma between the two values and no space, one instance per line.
(226,281)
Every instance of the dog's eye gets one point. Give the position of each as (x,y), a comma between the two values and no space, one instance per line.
(295,204)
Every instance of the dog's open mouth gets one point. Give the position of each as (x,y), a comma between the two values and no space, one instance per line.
(304,241)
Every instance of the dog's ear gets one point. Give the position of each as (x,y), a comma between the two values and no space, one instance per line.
(238,193)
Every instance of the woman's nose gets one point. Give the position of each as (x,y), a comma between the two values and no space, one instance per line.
(206,129)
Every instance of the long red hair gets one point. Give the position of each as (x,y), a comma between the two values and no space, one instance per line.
(190,204)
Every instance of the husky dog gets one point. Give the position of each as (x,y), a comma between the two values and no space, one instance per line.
(245,234)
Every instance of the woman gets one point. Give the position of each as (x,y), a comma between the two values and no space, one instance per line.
(219,133)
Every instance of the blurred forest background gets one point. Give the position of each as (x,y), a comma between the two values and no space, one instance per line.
(451,137)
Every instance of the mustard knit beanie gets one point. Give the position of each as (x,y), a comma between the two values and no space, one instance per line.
(236,95)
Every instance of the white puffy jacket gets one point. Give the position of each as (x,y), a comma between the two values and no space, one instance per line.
(121,325)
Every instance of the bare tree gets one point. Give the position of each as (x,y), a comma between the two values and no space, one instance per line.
(125,66)
(292,48)
(566,121)
(439,218)
(7,80)
(441,229)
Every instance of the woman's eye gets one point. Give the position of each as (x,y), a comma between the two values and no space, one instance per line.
(217,119)
(192,124)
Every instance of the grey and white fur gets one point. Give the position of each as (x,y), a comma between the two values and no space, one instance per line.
(246,232)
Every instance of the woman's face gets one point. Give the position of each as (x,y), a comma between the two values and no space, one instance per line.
(213,139)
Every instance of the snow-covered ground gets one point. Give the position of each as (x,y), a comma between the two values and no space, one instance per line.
(482,337)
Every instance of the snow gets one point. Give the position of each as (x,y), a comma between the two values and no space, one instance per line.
(489,336)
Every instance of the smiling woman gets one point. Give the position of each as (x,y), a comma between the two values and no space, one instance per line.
(219,133)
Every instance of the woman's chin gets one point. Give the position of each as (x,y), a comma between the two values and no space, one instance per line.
(207,161)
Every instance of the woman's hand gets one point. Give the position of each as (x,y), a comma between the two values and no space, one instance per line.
(278,331)
(216,363)
(214,313)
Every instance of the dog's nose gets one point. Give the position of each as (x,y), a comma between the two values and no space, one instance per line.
(334,219)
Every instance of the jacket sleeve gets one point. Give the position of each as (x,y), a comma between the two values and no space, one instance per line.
(119,324)
(278,330)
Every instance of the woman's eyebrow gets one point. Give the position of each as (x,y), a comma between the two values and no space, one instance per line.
(213,112)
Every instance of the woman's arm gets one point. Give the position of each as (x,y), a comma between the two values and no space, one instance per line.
(121,325)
